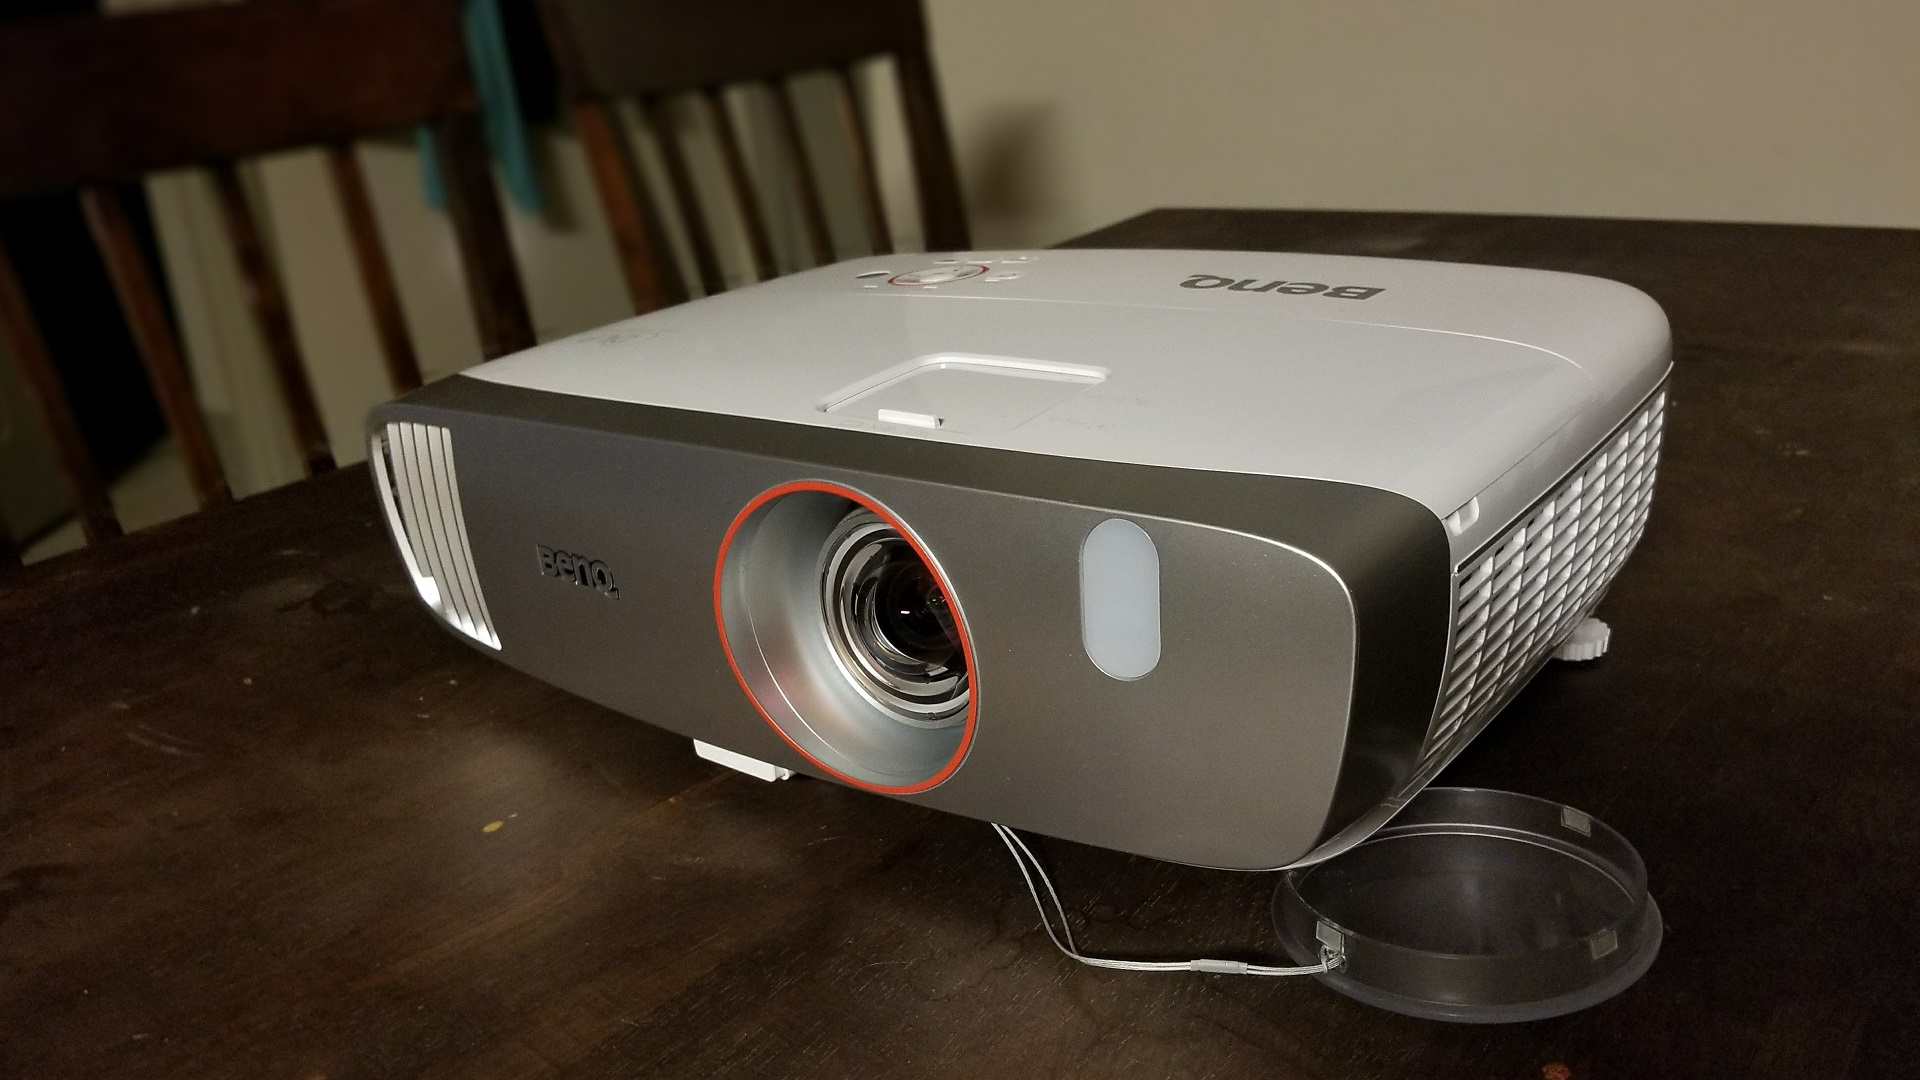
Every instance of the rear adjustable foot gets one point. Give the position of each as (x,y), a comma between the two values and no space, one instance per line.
(1588,641)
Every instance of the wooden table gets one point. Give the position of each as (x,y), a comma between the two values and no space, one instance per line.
(260,817)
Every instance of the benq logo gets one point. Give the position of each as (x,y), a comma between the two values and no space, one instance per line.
(1290,288)
(578,569)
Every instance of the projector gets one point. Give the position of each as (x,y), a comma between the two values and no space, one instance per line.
(1213,557)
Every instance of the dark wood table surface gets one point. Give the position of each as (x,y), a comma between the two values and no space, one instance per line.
(260,817)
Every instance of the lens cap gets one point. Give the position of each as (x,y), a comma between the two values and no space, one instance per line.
(1477,906)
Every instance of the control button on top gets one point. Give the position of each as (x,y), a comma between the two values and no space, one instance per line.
(938,275)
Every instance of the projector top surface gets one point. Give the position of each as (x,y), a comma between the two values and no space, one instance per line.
(1433,380)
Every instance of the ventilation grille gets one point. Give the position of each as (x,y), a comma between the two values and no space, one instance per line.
(1516,600)
(413,466)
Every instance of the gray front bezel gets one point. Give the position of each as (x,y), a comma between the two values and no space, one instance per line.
(1313,615)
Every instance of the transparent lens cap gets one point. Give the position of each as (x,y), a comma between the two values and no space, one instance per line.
(1477,906)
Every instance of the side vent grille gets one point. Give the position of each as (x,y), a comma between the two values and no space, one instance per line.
(1516,600)
(413,466)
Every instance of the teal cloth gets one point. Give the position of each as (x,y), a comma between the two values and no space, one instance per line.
(506,129)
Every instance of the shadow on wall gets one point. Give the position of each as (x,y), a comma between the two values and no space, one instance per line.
(1013,175)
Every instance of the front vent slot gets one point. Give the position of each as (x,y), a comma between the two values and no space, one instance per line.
(413,467)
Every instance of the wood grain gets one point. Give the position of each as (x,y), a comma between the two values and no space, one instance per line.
(245,783)
(641,48)
(151,91)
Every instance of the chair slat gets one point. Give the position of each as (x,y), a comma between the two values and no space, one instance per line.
(853,125)
(29,352)
(139,92)
(705,260)
(376,272)
(787,122)
(640,247)
(153,337)
(942,214)
(500,306)
(744,198)
(269,302)
(649,49)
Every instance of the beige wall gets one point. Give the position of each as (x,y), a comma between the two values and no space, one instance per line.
(1074,113)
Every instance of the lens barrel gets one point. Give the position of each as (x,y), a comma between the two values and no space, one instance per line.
(890,623)
(847,637)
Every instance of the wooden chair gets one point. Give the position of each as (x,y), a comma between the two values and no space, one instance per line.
(657,50)
(86,102)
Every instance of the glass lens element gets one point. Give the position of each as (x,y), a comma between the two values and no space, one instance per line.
(891,624)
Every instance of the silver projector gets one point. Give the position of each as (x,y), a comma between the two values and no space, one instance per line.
(1214,557)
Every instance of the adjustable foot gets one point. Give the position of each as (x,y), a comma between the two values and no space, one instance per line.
(1588,641)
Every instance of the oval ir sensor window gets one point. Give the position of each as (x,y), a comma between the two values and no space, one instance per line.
(1120,599)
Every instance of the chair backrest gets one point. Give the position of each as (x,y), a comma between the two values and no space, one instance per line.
(86,102)
(659,50)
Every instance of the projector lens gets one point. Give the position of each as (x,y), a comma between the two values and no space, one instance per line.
(846,637)
(890,623)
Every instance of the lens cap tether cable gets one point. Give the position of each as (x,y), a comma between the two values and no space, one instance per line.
(1331,956)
